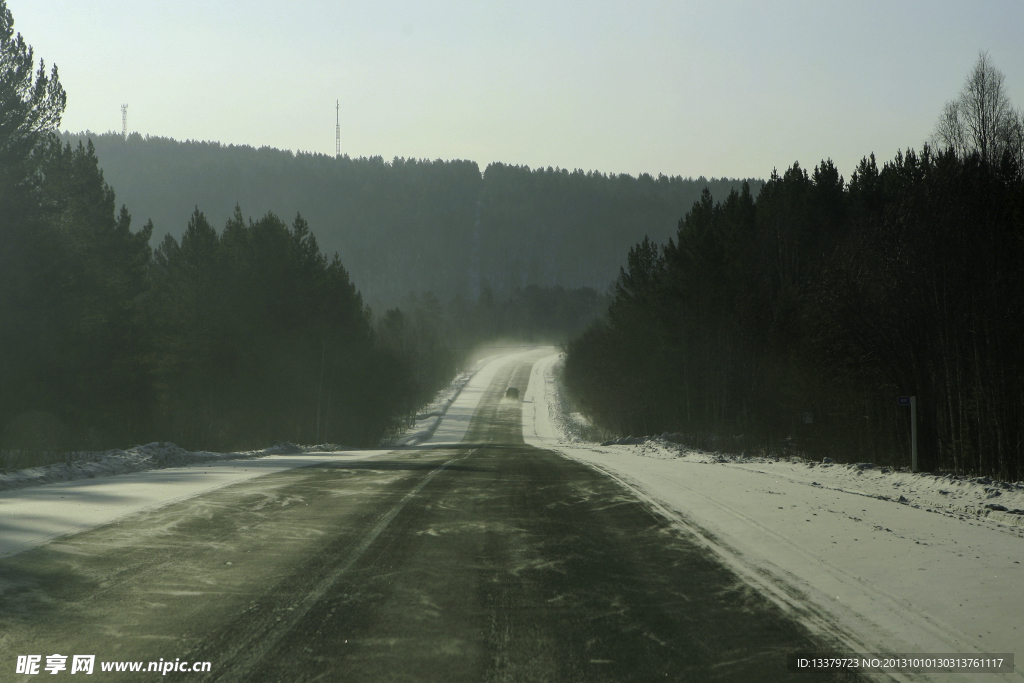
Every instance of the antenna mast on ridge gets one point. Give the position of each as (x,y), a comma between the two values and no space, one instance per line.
(337,129)
(124,121)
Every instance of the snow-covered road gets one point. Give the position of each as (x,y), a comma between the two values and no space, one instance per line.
(481,560)
(881,575)
(31,516)
(456,420)
(830,544)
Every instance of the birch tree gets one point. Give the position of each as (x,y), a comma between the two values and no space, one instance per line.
(982,119)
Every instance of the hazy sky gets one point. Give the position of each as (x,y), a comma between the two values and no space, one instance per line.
(680,88)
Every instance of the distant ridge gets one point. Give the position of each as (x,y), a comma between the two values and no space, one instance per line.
(411,225)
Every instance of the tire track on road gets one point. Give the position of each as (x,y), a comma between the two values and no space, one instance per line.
(249,651)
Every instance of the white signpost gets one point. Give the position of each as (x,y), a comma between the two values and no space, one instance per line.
(912,402)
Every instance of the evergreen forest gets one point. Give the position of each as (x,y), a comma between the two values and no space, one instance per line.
(781,318)
(214,339)
(789,321)
(230,332)
(409,225)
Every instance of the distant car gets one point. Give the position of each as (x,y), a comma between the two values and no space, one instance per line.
(512,393)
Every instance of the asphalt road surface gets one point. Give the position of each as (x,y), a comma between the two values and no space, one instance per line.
(487,561)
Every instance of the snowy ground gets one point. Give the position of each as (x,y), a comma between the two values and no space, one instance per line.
(163,455)
(446,419)
(157,455)
(887,562)
(456,421)
(32,516)
(430,416)
(41,503)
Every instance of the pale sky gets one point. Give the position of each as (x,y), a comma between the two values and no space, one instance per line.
(681,88)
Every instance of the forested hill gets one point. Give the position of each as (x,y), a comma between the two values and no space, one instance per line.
(410,225)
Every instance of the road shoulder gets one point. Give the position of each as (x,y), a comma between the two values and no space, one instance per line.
(879,576)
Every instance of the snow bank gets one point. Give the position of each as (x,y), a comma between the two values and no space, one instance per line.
(101,488)
(34,515)
(430,416)
(947,494)
(446,419)
(160,455)
(951,495)
(156,455)
(460,413)
(880,560)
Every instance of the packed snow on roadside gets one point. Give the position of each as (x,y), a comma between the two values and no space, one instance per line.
(81,494)
(151,456)
(961,497)
(163,455)
(875,560)
(430,416)
(948,494)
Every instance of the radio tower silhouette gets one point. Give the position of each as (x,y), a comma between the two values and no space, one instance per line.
(124,121)
(337,129)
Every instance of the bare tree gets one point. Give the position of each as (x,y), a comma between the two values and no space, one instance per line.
(982,118)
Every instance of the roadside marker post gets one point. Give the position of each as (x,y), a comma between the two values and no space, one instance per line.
(912,402)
